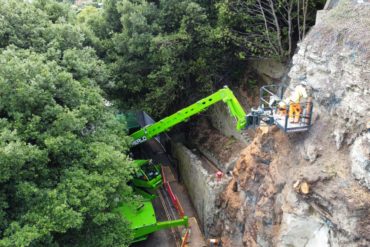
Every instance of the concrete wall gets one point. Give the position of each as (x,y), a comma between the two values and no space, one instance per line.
(202,186)
(224,167)
(221,120)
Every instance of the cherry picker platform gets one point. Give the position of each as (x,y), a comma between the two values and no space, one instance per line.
(269,112)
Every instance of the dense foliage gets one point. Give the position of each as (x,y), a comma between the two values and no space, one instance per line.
(164,54)
(156,51)
(62,152)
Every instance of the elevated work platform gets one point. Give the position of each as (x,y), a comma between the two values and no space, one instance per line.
(294,117)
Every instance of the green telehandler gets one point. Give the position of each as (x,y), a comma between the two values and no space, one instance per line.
(142,218)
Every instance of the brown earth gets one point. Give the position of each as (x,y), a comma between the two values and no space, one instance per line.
(311,189)
(262,190)
(223,147)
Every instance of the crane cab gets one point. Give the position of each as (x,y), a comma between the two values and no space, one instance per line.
(148,175)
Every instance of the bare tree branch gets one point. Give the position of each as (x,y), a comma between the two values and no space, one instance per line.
(298,21)
(277,26)
(266,27)
(290,8)
(305,7)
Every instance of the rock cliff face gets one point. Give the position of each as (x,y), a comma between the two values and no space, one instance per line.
(263,204)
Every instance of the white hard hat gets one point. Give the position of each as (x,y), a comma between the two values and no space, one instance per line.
(282,104)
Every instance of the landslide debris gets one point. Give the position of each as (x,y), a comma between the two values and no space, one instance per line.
(311,189)
(279,198)
(222,149)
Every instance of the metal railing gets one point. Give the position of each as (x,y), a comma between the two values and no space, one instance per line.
(176,203)
(294,123)
(269,93)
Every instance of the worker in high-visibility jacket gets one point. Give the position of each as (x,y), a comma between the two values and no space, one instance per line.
(281,109)
(294,101)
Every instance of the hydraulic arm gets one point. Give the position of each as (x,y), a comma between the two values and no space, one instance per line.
(224,94)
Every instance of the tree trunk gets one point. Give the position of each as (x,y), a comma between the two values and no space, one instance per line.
(266,26)
(305,7)
(290,27)
(277,26)
(298,21)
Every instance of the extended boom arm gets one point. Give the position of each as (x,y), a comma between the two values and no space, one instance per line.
(224,94)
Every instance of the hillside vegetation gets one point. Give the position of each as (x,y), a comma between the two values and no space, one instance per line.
(62,153)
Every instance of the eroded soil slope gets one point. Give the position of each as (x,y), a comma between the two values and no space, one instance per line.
(311,189)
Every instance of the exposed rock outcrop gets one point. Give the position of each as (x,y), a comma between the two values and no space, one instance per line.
(262,205)
(360,153)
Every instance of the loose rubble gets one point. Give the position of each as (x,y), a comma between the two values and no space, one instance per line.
(311,189)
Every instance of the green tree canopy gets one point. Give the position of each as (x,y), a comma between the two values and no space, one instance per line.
(63,166)
(163,53)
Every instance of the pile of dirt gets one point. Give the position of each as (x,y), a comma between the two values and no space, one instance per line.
(247,206)
(204,136)
(311,189)
(264,204)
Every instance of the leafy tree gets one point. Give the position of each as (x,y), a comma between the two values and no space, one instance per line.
(267,28)
(87,14)
(160,51)
(21,24)
(62,161)
(63,166)
(56,11)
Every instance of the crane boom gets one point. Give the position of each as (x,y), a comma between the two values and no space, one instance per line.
(224,94)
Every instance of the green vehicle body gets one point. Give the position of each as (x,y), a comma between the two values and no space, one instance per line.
(143,220)
(148,175)
(224,94)
(142,216)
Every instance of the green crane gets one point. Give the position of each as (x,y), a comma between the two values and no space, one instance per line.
(142,217)
(224,94)
(270,94)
